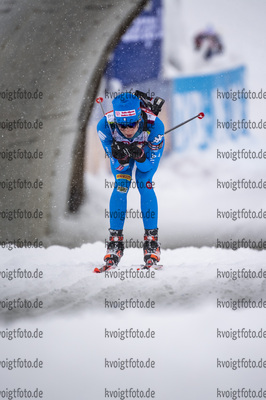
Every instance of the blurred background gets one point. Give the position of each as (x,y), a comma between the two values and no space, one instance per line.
(194,56)
(187,53)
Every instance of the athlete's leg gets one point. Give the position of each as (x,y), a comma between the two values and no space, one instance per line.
(118,207)
(148,199)
(118,200)
(149,208)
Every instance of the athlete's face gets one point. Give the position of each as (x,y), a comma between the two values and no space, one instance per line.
(128,131)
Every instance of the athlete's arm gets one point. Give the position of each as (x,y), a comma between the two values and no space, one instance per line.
(155,146)
(105,135)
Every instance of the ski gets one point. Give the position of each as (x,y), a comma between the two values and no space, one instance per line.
(149,266)
(151,263)
(106,267)
(153,266)
(137,266)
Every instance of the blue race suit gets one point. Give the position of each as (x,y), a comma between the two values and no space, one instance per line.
(150,136)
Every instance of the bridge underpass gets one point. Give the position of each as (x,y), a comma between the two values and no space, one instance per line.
(59,49)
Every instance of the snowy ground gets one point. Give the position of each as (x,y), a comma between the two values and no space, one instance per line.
(185,321)
(189,279)
(185,350)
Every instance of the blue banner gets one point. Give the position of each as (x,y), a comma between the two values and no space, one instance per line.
(211,94)
(138,55)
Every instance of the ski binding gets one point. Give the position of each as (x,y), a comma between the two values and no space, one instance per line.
(151,264)
(109,265)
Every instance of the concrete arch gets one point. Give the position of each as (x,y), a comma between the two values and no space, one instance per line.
(60,49)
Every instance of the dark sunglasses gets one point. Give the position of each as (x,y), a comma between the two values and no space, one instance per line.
(132,125)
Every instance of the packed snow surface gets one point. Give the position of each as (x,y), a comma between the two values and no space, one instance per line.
(189,278)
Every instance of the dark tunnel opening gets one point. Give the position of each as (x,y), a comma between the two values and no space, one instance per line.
(76,190)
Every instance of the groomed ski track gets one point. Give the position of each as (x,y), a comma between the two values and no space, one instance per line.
(188,279)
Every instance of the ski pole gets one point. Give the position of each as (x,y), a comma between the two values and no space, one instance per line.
(200,116)
(99,100)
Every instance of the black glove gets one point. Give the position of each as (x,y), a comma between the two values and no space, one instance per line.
(136,152)
(120,152)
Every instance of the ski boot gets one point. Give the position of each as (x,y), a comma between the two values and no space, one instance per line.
(115,250)
(151,248)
